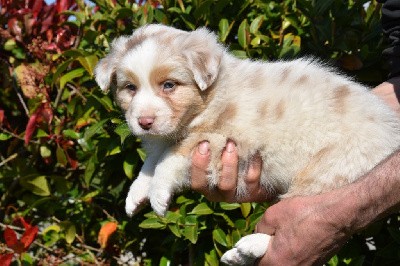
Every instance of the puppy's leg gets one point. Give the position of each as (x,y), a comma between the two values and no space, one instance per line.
(172,171)
(247,250)
(171,175)
(138,193)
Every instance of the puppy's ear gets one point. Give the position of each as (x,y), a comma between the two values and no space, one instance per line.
(105,68)
(203,54)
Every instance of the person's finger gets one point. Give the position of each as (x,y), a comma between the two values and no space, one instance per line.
(252,178)
(228,180)
(200,161)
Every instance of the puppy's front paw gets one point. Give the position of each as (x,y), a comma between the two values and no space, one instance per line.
(159,200)
(247,250)
(137,195)
(134,202)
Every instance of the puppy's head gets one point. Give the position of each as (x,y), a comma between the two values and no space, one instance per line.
(160,76)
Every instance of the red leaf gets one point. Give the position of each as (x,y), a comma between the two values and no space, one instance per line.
(10,237)
(37,7)
(5,259)
(24,223)
(30,127)
(47,112)
(1,116)
(29,235)
(63,5)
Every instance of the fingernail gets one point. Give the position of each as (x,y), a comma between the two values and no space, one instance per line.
(230,147)
(204,147)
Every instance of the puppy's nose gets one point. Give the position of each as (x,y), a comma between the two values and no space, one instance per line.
(146,122)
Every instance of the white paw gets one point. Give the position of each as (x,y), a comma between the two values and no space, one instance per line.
(159,200)
(234,257)
(137,196)
(247,250)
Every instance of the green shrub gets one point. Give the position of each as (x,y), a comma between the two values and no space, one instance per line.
(67,157)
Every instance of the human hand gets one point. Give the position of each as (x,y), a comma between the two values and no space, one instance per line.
(389,91)
(226,188)
(304,230)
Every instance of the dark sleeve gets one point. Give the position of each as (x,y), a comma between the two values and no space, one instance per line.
(391,28)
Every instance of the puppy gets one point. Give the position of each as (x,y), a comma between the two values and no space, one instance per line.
(314,129)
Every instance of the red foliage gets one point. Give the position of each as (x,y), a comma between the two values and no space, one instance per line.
(30,19)
(18,245)
(6,259)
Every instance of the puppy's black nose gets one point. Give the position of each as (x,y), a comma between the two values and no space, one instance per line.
(146,122)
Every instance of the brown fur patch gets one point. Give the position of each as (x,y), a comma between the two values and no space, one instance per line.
(263,110)
(339,96)
(302,80)
(159,75)
(280,109)
(285,74)
(229,113)
(132,77)
(305,177)
(135,41)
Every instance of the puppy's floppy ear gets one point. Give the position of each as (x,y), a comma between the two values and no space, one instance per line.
(203,54)
(105,68)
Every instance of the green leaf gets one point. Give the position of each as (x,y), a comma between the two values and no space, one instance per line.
(36,184)
(45,152)
(90,131)
(4,136)
(174,228)
(69,230)
(142,154)
(229,206)
(70,133)
(88,62)
(10,44)
(53,227)
(256,24)
(76,73)
(105,101)
(123,131)
(202,209)
(129,165)
(334,261)
(219,236)
(246,209)
(152,223)
(191,226)
(90,169)
(223,29)
(243,32)
(61,157)
(164,261)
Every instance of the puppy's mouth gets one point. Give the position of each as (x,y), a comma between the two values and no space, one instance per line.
(150,126)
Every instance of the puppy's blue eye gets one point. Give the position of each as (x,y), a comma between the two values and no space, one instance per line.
(131,87)
(168,85)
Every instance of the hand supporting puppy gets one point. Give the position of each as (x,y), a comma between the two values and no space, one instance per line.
(308,230)
(226,189)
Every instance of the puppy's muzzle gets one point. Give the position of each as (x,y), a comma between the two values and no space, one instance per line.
(146,122)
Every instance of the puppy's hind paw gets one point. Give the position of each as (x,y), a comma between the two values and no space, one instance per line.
(247,250)
(254,245)
(234,257)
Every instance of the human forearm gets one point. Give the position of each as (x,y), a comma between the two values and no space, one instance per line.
(375,195)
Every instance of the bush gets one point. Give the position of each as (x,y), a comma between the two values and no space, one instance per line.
(67,157)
